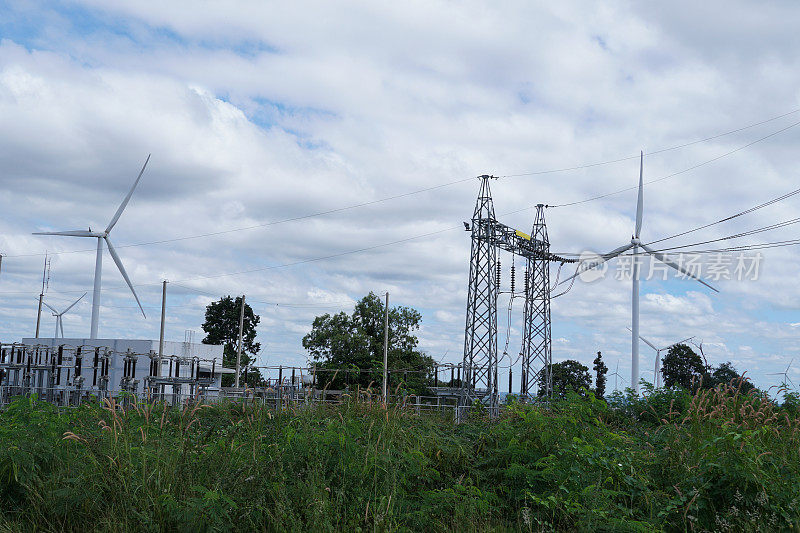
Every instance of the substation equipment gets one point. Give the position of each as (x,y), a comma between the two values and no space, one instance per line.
(480,363)
(68,375)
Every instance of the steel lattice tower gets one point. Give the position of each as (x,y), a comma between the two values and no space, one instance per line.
(480,339)
(536,340)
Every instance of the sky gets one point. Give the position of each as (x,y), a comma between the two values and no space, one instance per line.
(257,113)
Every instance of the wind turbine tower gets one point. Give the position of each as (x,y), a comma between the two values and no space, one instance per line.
(785,374)
(59,323)
(103,237)
(634,245)
(657,368)
(617,376)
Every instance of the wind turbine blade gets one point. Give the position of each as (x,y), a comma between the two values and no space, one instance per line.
(640,200)
(127,198)
(73,304)
(588,265)
(50,307)
(121,268)
(650,344)
(75,233)
(61,326)
(647,342)
(664,259)
(677,343)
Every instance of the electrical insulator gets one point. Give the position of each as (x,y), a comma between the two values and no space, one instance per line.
(498,273)
(512,278)
(527,286)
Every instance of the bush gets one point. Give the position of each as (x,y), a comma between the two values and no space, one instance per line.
(715,460)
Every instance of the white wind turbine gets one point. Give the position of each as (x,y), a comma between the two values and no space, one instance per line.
(59,323)
(102,236)
(657,368)
(785,374)
(617,377)
(634,245)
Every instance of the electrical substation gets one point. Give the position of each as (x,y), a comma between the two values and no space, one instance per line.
(70,371)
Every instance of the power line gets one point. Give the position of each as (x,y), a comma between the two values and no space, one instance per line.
(693,167)
(294,305)
(671,148)
(440,186)
(399,241)
(737,235)
(265,224)
(741,213)
(726,219)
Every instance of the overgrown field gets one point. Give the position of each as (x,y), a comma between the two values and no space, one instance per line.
(716,461)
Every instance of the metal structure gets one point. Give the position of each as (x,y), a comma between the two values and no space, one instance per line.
(480,362)
(68,375)
(103,236)
(536,339)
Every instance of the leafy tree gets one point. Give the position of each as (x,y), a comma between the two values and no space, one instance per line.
(569,375)
(726,373)
(355,343)
(222,327)
(681,366)
(600,370)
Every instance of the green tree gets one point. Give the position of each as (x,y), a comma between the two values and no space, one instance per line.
(222,327)
(569,375)
(682,366)
(353,344)
(600,371)
(726,374)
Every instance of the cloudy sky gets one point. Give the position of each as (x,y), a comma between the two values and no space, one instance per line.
(257,113)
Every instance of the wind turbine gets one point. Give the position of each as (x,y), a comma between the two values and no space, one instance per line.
(59,323)
(634,245)
(657,370)
(785,374)
(617,376)
(102,236)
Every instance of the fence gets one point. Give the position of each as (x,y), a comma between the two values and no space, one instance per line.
(71,375)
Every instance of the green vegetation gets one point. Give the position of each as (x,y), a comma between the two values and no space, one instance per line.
(568,376)
(674,461)
(222,327)
(350,348)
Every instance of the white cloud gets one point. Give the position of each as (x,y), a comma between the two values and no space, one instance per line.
(256,113)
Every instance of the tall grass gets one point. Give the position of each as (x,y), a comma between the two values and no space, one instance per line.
(716,460)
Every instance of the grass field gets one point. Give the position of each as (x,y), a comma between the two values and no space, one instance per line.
(717,460)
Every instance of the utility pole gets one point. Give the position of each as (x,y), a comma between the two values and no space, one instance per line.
(239,348)
(41,296)
(386,352)
(163,317)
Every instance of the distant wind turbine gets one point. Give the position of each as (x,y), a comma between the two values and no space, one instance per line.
(635,244)
(658,356)
(59,323)
(102,236)
(617,376)
(785,374)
